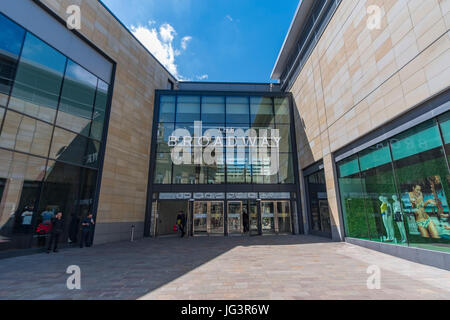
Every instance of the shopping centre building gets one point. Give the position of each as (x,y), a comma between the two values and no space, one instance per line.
(351,143)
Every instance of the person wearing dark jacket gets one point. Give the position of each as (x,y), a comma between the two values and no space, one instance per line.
(86,230)
(57,229)
(181,222)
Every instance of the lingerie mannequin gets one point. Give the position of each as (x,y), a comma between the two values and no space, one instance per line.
(398,217)
(386,215)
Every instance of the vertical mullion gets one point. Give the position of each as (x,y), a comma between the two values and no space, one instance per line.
(364,200)
(396,185)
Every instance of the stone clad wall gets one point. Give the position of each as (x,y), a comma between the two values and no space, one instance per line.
(358,79)
(122,199)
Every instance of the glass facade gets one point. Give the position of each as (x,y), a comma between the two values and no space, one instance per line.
(226,160)
(52,114)
(243,140)
(397,191)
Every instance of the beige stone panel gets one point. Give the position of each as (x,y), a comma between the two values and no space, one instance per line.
(330,177)
(414,81)
(418,95)
(406,49)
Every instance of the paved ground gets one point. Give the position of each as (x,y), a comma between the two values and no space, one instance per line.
(284,267)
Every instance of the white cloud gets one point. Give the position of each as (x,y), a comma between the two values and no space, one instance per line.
(202,77)
(229,17)
(184,42)
(160,44)
(167,32)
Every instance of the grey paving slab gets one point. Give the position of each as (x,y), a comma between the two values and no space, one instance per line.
(270,267)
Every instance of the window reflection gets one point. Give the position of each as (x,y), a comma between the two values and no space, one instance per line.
(33,188)
(163,169)
(213,110)
(261,111)
(38,80)
(77,99)
(282,114)
(98,118)
(20,182)
(188,109)
(25,134)
(10,45)
(167,109)
(237,110)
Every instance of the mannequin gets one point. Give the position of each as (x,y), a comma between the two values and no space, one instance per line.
(398,217)
(386,215)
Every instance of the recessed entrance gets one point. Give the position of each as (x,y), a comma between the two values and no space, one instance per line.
(224,217)
(208,217)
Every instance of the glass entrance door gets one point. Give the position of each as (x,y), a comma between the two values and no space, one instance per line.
(208,217)
(253,216)
(235,217)
(268,216)
(200,217)
(216,218)
(284,217)
(276,217)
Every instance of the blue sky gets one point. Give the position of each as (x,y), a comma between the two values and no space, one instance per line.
(210,40)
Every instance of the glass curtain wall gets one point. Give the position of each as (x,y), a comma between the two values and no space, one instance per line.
(223,119)
(52,114)
(397,191)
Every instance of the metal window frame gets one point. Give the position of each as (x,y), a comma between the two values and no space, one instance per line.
(103,143)
(225,187)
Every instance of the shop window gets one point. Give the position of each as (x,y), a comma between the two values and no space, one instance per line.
(382,202)
(423,182)
(352,197)
(444,122)
(38,80)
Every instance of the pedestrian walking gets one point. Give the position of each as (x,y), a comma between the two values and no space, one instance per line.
(181,223)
